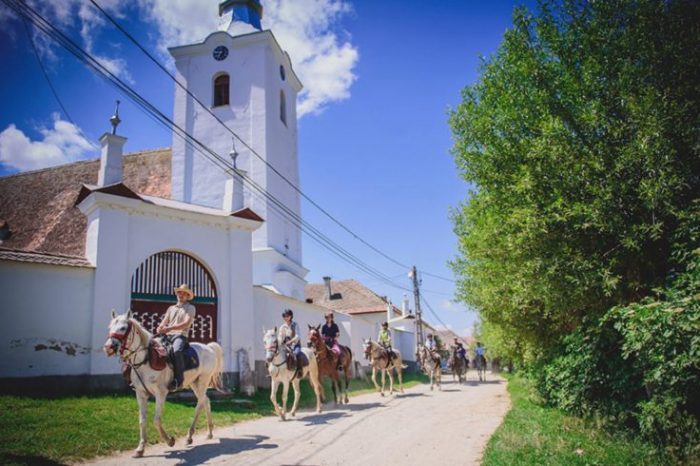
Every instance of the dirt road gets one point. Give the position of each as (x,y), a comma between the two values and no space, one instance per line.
(418,427)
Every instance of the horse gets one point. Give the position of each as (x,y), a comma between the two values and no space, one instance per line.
(431,366)
(276,354)
(458,366)
(378,358)
(328,363)
(131,341)
(480,365)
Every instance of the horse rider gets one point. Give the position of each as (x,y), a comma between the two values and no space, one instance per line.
(384,339)
(288,334)
(431,346)
(176,323)
(479,351)
(461,352)
(331,333)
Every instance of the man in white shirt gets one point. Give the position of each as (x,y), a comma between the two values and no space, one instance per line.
(175,326)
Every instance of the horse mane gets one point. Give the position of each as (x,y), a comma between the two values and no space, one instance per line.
(143,333)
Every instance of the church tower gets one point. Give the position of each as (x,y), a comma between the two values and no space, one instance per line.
(244,78)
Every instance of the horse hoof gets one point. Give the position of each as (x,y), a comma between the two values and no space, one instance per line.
(188,442)
(138,454)
(171,441)
(210,436)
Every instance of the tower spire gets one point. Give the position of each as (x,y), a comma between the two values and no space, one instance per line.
(240,11)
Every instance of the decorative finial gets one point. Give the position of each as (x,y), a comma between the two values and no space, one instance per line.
(233,154)
(115,119)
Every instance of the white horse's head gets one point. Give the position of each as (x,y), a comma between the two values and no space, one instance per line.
(119,329)
(271,344)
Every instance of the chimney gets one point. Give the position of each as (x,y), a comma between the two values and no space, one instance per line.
(389,307)
(111,168)
(329,292)
(233,191)
(404,306)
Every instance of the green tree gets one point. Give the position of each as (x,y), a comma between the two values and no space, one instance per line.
(581,140)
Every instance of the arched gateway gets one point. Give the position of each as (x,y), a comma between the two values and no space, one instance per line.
(152,292)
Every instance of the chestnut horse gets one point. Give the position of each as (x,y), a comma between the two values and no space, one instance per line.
(128,338)
(328,363)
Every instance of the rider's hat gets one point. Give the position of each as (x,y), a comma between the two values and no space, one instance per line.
(430,335)
(184,287)
(385,324)
(287,312)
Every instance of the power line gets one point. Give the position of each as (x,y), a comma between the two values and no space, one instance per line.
(438,276)
(247,146)
(39,21)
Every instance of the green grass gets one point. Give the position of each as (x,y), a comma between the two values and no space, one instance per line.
(49,431)
(533,434)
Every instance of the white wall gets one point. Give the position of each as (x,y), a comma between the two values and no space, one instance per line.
(47,319)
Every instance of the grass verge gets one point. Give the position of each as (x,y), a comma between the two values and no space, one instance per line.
(55,431)
(533,434)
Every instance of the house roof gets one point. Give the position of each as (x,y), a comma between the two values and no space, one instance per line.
(38,207)
(349,297)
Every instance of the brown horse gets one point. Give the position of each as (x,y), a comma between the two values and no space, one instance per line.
(328,363)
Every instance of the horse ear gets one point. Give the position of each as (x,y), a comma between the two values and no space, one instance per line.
(114,313)
(275,330)
(129,314)
(310,326)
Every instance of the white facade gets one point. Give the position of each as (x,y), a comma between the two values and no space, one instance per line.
(123,232)
(262,112)
(48,321)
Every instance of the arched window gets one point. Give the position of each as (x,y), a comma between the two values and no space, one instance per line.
(283,108)
(221,85)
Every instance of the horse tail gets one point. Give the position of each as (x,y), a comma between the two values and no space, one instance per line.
(350,361)
(216,376)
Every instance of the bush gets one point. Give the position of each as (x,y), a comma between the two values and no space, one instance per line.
(638,366)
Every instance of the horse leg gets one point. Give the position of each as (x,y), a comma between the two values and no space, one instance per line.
(391,381)
(383,380)
(297,394)
(374,379)
(160,401)
(285,394)
(202,402)
(273,397)
(399,374)
(142,399)
(347,382)
(334,383)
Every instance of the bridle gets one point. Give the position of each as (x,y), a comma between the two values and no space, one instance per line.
(125,339)
(274,348)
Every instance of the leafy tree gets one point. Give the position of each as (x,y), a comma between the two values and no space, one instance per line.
(581,140)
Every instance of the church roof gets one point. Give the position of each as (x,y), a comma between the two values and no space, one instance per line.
(349,297)
(38,207)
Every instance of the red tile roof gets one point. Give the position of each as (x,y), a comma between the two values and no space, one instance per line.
(43,258)
(349,297)
(39,206)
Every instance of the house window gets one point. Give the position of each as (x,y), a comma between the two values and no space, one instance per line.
(221,86)
(283,108)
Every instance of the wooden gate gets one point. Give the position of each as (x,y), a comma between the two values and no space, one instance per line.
(152,292)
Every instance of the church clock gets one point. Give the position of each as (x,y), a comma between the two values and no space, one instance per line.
(220,53)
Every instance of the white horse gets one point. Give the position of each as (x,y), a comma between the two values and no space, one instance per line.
(379,360)
(128,338)
(431,366)
(276,356)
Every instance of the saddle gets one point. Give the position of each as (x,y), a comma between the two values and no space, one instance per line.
(292,361)
(160,354)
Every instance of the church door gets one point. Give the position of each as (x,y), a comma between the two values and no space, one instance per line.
(152,292)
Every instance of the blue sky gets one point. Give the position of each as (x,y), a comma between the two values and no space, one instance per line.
(374,142)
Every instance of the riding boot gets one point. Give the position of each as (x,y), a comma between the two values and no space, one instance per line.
(179,369)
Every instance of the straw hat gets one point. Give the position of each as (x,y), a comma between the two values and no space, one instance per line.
(185,287)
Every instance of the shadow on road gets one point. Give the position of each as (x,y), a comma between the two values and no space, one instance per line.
(362,406)
(409,395)
(200,454)
(474,383)
(316,419)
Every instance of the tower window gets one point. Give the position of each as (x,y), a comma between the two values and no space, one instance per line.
(283,108)
(221,90)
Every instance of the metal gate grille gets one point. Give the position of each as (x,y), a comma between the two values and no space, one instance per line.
(152,292)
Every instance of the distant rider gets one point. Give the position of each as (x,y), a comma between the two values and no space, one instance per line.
(331,333)
(384,340)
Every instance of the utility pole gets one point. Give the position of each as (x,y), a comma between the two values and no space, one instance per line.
(416,296)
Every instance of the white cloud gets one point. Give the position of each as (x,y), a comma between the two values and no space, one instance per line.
(61,144)
(306,29)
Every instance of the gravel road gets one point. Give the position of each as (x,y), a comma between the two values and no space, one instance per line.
(418,427)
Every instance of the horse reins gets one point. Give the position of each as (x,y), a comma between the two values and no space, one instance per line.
(123,339)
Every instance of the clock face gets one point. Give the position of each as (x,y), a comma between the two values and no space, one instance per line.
(220,53)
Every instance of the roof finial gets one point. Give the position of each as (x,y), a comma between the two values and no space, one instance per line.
(233,154)
(115,119)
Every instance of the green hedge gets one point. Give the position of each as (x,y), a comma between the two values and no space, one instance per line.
(638,367)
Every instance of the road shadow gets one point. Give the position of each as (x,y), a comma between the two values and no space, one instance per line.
(323,418)
(448,390)
(11,458)
(408,395)
(475,383)
(200,454)
(362,406)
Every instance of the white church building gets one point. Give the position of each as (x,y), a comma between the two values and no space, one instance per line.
(79,240)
